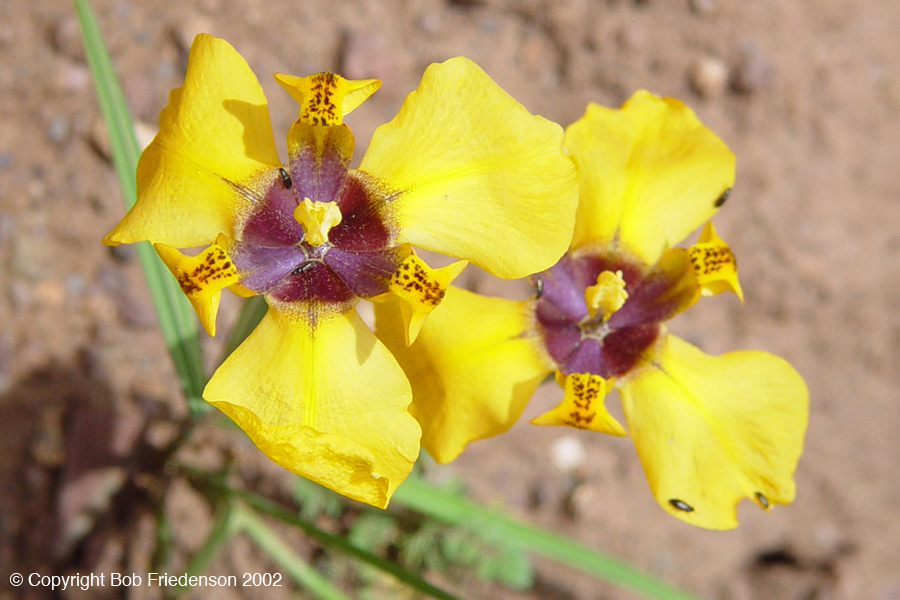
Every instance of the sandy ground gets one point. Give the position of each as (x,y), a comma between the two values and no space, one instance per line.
(806,93)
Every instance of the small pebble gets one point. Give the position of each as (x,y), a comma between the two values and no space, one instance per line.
(567,453)
(708,77)
(73,77)
(753,71)
(65,36)
(58,129)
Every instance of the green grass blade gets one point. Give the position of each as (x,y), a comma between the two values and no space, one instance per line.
(301,571)
(416,494)
(176,319)
(225,526)
(328,540)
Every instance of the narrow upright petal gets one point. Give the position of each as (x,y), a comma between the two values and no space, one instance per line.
(420,289)
(715,264)
(474,175)
(202,278)
(472,368)
(214,155)
(582,406)
(325,400)
(712,430)
(325,98)
(651,173)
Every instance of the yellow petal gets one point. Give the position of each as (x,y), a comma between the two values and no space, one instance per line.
(214,154)
(712,430)
(472,369)
(476,175)
(328,402)
(582,405)
(650,174)
(420,289)
(715,264)
(325,98)
(202,278)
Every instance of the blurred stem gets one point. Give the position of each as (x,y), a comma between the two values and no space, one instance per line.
(225,526)
(416,494)
(328,540)
(179,327)
(296,567)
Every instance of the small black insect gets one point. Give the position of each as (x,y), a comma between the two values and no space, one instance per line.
(285,179)
(762,499)
(721,199)
(538,288)
(303,267)
(681,505)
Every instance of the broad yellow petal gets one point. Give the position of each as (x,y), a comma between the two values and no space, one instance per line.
(582,406)
(326,401)
(712,430)
(475,175)
(472,368)
(213,157)
(650,173)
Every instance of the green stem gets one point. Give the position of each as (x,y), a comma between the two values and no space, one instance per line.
(328,540)
(176,319)
(420,496)
(287,559)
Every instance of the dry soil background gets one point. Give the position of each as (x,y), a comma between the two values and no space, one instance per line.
(807,94)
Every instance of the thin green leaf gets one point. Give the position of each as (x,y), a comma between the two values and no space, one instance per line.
(329,540)
(225,526)
(176,319)
(418,495)
(287,559)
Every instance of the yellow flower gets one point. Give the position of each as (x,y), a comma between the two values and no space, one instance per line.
(463,169)
(709,431)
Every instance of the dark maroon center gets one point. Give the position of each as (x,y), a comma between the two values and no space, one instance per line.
(356,261)
(579,343)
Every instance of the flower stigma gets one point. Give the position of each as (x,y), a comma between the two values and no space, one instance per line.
(608,293)
(317,219)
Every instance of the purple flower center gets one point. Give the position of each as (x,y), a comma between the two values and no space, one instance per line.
(579,343)
(358,259)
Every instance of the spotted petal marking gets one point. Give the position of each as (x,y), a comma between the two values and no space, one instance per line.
(582,405)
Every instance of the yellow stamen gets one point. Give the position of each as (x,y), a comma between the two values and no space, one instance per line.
(582,405)
(714,264)
(325,97)
(317,219)
(607,295)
